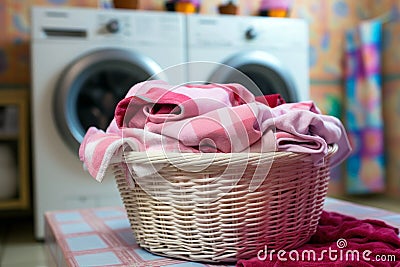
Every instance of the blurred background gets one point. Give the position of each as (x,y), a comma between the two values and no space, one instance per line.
(354,74)
(347,51)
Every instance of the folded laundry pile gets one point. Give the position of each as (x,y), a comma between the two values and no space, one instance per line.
(223,118)
(339,241)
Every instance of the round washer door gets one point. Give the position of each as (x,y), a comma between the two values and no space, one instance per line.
(90,88)
(259,72)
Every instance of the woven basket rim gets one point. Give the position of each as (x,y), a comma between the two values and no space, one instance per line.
(166,156)
(331,148)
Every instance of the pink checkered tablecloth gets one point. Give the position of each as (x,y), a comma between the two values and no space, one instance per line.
(102,236)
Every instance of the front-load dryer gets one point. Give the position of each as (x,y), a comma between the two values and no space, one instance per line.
(83,63)
(266,55)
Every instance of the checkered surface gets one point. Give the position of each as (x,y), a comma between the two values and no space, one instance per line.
(102,236)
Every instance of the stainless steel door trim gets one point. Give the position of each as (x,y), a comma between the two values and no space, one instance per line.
(259,60)
(73,76)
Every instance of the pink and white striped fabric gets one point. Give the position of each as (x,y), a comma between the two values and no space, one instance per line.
(224,118)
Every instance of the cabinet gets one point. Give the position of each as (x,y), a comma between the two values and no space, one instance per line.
(14,150)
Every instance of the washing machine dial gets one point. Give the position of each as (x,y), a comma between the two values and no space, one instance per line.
(112,26)
(250,33)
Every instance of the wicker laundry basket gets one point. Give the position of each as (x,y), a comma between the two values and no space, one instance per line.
(197,219)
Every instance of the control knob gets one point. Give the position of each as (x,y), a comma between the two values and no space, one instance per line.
(250,34)
(112,26)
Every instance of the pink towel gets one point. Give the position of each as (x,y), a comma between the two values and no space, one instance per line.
(271,100)
(158,102)
(209,118)
(308,130)
(190,115)
(99,149)
(343,235)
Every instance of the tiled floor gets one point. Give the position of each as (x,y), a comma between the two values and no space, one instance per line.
(18,247)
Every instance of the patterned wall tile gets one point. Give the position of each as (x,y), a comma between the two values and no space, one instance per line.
(326,53)
(15,32)
(328,96)
(343,14)
(378,7)
(391,116)
(391,107)
(337,185)
(391,48)
(393,169)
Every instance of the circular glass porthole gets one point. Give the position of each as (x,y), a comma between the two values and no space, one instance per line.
(263,74)
(90,88)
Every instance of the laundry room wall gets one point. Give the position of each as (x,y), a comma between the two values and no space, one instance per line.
(15,35)
(328,22)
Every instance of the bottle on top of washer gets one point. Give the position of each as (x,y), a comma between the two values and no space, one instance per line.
(229,8)
(184,6)
(275,8)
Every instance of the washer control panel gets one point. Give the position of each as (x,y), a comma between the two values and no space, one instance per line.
(117,25)
(240,31)
(85,24)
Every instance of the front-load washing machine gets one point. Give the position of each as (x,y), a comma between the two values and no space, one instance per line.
(266,55)
(83,63)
